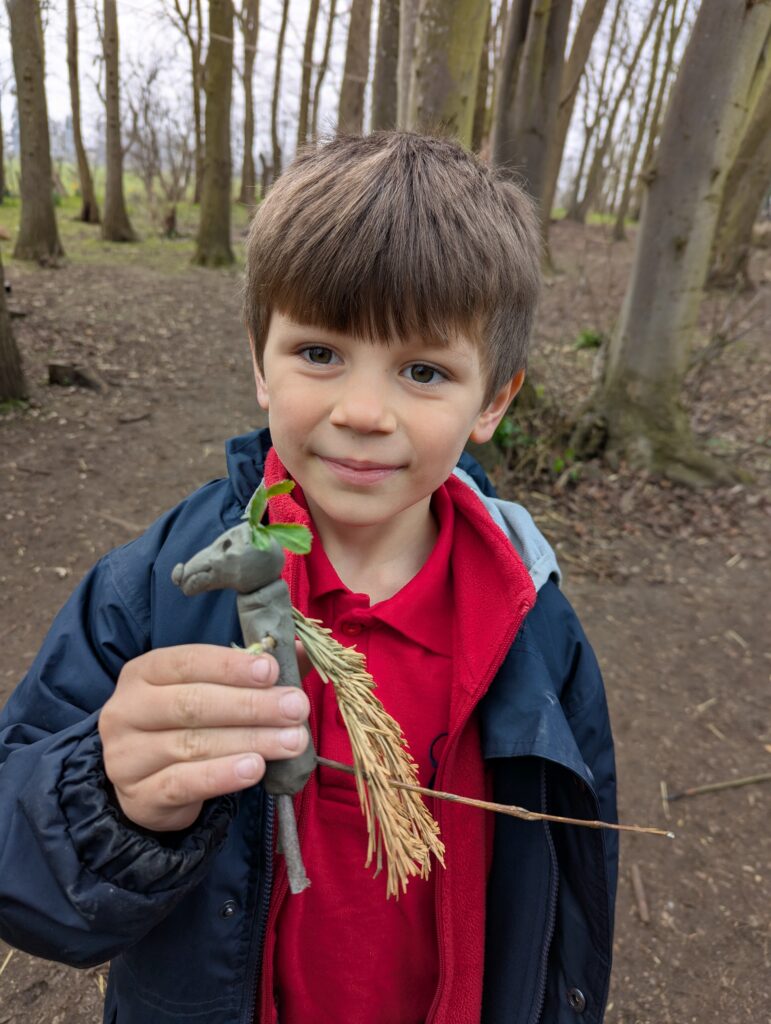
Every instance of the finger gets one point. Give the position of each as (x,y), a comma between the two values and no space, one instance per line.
(171,799)
(141,760)
(211,705)
(195,663)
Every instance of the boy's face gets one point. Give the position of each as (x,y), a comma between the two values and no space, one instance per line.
(368,430)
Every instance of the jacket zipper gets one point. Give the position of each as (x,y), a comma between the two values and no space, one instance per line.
(261,917)
(551,919)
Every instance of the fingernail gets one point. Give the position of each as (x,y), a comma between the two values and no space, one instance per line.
(292,705)
(260,670)
(248,768)
(290,738)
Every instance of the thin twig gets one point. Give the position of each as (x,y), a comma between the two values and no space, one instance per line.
(639,894)
(714,787)
(510,809)
(7,960)
(289,845)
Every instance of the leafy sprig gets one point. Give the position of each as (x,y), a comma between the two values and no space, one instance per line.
(293,537)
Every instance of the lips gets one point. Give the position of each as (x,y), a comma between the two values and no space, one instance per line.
(359,471)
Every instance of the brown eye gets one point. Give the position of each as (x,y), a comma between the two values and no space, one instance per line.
(421,373)
(318,354)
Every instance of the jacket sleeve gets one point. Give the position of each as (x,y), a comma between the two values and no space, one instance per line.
(78,883)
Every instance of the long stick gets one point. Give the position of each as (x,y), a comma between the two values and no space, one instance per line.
(714,787)
(512,810)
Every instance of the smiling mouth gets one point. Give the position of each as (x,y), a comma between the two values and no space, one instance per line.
(361,472)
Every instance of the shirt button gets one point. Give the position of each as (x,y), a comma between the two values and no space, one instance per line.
(351,628)
(228,908)
(576,1000)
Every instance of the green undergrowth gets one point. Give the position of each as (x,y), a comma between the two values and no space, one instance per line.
(83,243)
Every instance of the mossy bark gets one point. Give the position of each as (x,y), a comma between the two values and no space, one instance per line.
(350,116)
(443,87)
(12,384)
(116,226)
(385,80)
(213,243)
(38,237)
(649,353)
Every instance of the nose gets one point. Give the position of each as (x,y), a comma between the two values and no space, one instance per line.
(362,405)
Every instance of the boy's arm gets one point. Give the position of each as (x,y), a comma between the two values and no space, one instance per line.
(77,881)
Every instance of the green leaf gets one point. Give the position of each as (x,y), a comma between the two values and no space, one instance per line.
(292,536)
(260,537)
(256,507)
(282,487)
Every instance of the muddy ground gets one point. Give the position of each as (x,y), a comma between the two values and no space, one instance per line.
(671,585)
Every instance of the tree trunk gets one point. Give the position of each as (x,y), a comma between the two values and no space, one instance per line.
(658,107)
(322,69)
(720,74)
(596,169)
(745,188)
(626,196)
(116,226)
(408,17)
(213,245)
(38,237)
(503,141)
(12,385)
(305,87)
(350,116)
(591,16)
(2,156)
(538,94)
(479,125)
(249,21)
(275,141)
(385,79)
(89,209)
(449,37)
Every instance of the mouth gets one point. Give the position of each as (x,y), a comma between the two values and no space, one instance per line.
(194,582)
(360,471)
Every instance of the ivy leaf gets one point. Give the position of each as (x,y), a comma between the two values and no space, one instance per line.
(292,536)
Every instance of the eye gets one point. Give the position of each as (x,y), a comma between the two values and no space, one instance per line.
(422,373)
(227,544)
(319,355)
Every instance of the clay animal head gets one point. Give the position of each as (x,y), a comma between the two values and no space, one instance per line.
(230,561)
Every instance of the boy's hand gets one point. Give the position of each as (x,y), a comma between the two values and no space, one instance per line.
(193,722)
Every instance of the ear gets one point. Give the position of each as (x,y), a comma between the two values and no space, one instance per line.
(491,415)
(259,379)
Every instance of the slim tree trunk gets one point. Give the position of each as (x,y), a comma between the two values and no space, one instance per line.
(12,384)
(116,226)
(213,245)
(38,237)
(89,209)
(575,66)
(596,168)
(249,20)
(350,116)
(323,67)
(448,41)
(634,154)
(2,156)
(385,78)
(745,188)
(183,20)
(305,86)
(479,125)
(408,17)
(275,141)
(503,128)
(721,74)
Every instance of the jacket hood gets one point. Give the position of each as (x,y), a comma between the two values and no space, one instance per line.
(246,456)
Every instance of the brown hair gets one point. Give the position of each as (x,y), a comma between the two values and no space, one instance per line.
(394,233)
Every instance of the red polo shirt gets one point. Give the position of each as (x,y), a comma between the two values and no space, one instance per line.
(340,951)
(343,952)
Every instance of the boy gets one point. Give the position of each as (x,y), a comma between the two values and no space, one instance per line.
(390,289)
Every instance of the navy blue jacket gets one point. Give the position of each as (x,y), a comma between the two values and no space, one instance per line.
(182,915)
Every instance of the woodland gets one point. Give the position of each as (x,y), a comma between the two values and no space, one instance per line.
(640,443)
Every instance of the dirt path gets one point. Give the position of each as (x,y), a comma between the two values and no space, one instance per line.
(671,587)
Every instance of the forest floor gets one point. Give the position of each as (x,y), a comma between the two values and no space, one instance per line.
(671,585)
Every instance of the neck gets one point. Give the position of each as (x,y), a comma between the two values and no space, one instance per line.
(380,559)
